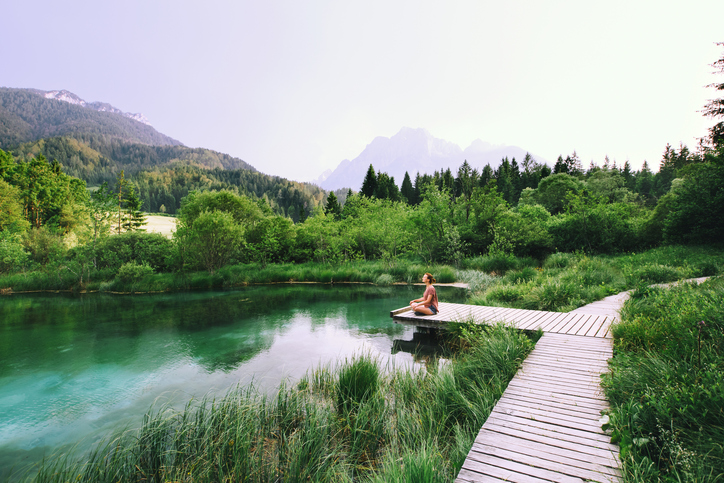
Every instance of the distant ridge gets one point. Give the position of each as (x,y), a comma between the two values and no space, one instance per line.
(27,115)
(67,96)
(417,151)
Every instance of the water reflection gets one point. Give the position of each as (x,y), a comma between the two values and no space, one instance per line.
(76,367)
(426,346)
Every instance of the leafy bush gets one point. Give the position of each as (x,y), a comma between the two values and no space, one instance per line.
(12,253)
(44,245)
(385,279)
(553,295)
(521,276)
(133,272)
(152,249)
(498,264)
(560,260)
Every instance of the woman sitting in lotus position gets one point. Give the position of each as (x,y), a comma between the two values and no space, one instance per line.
(427,304)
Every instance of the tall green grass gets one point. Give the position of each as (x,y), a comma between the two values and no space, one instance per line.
(566,281)
(355,422)
(667,384)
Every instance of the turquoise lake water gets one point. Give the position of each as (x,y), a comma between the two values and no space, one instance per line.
(75,368)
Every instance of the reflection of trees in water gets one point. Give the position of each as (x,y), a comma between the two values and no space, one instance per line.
(116,328)
(427,346)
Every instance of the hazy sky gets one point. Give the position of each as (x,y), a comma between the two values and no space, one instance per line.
(295,87)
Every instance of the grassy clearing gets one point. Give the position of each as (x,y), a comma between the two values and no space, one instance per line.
(667,384)
(354,422)
(566,281)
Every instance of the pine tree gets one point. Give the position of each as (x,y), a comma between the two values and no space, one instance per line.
(560,166)
(715,107)
(333,209)
(135,218)
(407,191)
(369,186)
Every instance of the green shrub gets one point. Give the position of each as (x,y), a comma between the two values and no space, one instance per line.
(505,293)
(498,264)
(385,279)
(133,272)
(554,295)
(520,276)
(560,260)
(44,245)
(152,249)
(12,254)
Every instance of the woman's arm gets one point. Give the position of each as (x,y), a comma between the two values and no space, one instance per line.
(423,301)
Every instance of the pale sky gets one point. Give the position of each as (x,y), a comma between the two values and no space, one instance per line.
(293,88)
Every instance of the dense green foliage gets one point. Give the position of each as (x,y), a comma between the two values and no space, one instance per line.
(96,158)
(350,423)
(25,115)
(667,384)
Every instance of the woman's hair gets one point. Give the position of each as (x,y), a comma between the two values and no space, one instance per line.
(430,277)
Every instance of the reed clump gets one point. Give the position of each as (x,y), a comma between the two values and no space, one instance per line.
(356,422)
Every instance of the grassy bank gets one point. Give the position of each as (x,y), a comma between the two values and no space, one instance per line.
(355,422)
(131,277)
(561,282)
(565,281)
(667,384)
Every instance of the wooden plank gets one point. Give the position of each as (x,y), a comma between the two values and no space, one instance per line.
(583,424)
(572,401)
(595,327)
(477,472)
(540,323)
(540,462)
(496,424)
(569,318)
(577,326)
(466,476)
(399,311)
(606,466)
(520,468)
(558,389)
(590,366)
(563,373)
(583,434)
(553,322)
(601,456)
(603,331)
(601,353)
(535,320)
(526,316)
(551,382)
(572,362)
(572,323)
(594,413)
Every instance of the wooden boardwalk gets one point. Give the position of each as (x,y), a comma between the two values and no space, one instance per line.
(596,324)
(546,425)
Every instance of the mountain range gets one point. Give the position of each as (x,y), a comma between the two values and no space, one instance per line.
(416,151)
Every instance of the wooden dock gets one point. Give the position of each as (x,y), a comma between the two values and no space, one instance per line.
(595,324)
(546,425)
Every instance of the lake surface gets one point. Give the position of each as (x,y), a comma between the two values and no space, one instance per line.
(75,368)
